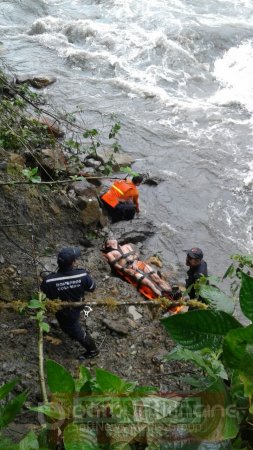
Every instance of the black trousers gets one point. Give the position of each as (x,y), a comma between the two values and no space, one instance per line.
(68,319)
(123,211)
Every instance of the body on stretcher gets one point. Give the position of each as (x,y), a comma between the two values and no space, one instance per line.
(146,291)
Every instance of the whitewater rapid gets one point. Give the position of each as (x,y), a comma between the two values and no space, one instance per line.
(177,75)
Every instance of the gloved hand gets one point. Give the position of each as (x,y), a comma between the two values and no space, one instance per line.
(176,294)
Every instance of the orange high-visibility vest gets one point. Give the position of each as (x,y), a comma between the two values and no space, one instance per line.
(120,190)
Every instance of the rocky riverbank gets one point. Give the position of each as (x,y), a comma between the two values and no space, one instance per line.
(36,224)
(37,220)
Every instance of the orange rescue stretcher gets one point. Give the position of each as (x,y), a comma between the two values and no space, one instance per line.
(146,291)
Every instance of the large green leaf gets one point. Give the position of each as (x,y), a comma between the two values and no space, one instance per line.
(109,407)
(238,349)
(246,295)
(218,416)
(34,304)
(108,382)
(248,389)
(29,442)
(58,378)
(7,444)
(200,329)
(11,409)
(152,409)
(53,410)
(213,367)
(140,391)
(77,437)
(6,388)
(217,298)
(84,377)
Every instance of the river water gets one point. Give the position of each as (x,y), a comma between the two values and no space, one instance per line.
(178,75)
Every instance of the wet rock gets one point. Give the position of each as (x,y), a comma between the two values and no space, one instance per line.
(87,171)
(116,326)
(52,125)
(83,187)
(132,310)
(16,159)
(152,181)
(3,165)
(81,201)
(37,81)
(91,162)
(120,159)
(134,231)
(53,159)
(41,81)
(71,194)
(63,200)
(92,213)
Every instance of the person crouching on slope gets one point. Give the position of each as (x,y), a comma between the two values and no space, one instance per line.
(121,201)
(70,284)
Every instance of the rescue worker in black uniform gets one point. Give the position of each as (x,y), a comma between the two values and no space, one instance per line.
(70,284)
(198,267)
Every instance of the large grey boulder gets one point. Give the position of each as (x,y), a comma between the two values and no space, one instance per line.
(92,213)
(83,187)
(120,159)
(136,230)
(53,159)
(36,81)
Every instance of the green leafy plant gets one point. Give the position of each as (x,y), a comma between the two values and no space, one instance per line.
(106,411)
(129,171)
(114,130)
(240,264)
(221,347)
(20,125)
(10,406)
(31,175)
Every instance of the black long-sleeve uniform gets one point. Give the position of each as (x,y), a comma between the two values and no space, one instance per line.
(193,274)
(70,285)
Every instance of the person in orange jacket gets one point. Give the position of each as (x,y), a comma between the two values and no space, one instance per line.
(121,201)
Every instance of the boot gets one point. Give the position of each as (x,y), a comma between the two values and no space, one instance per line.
(88,355)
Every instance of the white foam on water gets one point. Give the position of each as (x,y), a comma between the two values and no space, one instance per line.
(168,175)
(158,51)
(46,25)
(168,229)
(142,89)
(142,57)
(234,72)
(248,179)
